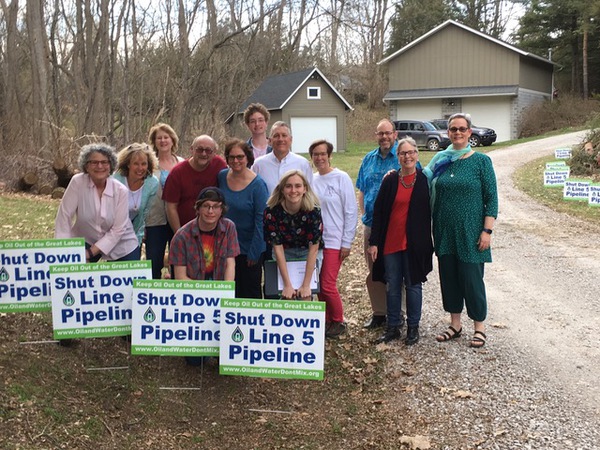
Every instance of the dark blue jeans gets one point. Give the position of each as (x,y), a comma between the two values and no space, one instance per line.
(396,272)
(157,238)
(248,279)
(135,255)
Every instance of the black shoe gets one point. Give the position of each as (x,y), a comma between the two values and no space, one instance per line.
(335,329)
(391,333)
(412,336)
(374,322)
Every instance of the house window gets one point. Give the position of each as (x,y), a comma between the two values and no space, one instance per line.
(313,93)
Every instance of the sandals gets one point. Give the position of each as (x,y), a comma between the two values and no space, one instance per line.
(447,336)
(478,339)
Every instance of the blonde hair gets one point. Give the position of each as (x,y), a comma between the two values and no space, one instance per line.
(309,200)
(167,129)
(127,153)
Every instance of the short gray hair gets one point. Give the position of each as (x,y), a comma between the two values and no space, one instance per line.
(97,147)
(465,116)
(280,123)
(407,140)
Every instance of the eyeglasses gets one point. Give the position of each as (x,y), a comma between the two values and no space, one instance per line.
(104,162)
(236,157)
(455,129)
(207,207)
(407,153)
(206,150)
(384,133)
(315,154)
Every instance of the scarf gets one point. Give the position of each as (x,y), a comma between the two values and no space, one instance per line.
(439,164)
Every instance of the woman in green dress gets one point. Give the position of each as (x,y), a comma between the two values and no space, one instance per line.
(464,201)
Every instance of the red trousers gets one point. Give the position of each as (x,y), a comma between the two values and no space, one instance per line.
(334,311)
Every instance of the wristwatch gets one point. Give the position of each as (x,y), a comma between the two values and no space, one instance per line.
(487,230)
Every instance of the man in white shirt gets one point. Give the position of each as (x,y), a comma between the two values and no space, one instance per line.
(272,166)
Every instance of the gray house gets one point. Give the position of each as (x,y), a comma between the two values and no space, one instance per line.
(307,101)
(454,68)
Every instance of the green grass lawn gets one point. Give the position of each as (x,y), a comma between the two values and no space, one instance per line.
(32,217)
(530,179)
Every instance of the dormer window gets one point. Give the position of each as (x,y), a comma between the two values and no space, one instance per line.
(313,93)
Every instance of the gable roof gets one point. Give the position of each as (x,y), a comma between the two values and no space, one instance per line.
(277,90)
(470,30)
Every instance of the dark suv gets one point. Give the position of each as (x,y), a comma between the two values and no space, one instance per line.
(424,133)
(480,136)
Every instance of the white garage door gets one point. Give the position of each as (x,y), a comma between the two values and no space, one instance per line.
(306,130)
(491,112)
(419,110)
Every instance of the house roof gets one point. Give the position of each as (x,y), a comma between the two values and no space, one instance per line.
(481,91)
(277,90)
(470,30)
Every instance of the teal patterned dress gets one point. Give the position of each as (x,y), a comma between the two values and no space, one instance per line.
(465,194)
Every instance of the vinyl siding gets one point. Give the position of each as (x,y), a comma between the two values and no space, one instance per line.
(329,105)
(454,57)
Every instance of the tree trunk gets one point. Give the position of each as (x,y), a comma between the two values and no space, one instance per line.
(27,181)
(63,172)
(585,61)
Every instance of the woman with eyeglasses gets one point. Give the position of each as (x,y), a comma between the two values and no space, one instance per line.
(464,200)
(340,213)
(135,165)
(165,142)
(246,196)
(400,244)
(294,228)
(95,207)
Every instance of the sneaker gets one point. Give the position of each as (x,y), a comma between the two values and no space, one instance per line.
(374,322)
(335,329)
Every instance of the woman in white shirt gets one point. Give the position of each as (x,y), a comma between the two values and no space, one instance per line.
(340,213)
(95,207)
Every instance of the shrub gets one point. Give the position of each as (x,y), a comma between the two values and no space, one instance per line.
(564,112)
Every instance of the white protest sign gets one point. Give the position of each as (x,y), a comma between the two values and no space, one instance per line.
(576,190)
(556,165)
(556,176)
(562,153)
(272,338)
(24,271)
(594,195)
(296,272)
(94,300)
(177,318)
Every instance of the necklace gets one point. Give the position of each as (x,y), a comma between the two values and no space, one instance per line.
(135,198)
(408,186)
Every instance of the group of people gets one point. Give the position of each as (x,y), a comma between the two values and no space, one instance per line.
(222,218)
(453,200)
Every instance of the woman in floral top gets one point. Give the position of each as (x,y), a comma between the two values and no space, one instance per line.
(293,226)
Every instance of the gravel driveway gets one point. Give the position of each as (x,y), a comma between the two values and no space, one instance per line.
(535,384)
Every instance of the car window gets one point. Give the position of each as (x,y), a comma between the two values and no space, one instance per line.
(403,126)
(428,126)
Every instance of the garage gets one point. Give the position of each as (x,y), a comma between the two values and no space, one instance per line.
(306,130)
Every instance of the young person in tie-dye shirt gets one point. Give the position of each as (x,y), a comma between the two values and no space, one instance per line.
(205,248)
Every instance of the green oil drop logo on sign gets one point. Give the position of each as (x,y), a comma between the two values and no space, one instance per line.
(4,276)
(68,299)
(149,315)
(237,335)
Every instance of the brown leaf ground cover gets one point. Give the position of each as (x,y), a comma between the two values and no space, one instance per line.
(52,397)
